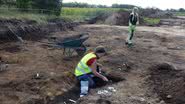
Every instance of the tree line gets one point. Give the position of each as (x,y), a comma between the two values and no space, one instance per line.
(126,6)
(44,6)
(176,10)
(54,6)
(82,5)
(86,5)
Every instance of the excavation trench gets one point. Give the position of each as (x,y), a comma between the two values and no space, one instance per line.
(14,29)
(72,95)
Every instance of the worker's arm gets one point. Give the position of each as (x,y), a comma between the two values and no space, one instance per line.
(137,19)
(100,65)
(130,18)
(93,68)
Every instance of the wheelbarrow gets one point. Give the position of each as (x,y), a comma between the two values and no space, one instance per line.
(72,44)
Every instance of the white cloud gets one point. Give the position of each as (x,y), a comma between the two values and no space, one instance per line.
(162,4)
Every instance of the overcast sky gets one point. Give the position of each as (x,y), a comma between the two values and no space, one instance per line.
(162,4)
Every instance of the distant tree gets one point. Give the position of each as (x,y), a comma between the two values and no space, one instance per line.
(48,6)
(102,6)
(147,12)
(9,3)
(51,6)
(173,10)
(181,10)
(23,4)
(122,6)
(82,5)
(1,2)
(76,4)
(167,10)
(115,6)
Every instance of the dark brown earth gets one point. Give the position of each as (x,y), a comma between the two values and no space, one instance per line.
(38,74)
(29,29)
(168,83)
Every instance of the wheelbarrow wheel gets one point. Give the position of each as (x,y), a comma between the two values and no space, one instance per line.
(81,51)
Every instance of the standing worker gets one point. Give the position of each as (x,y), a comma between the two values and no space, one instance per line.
(133,20)
(86,70)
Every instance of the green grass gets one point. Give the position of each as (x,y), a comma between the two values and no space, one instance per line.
(179,13)
(75,14)
(85,13)
(151,21)
(14,13)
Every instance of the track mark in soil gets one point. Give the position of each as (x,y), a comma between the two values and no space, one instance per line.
(103,101)
(12,49)
(72,94)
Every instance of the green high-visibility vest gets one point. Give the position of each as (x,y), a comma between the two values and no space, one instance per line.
(82,67)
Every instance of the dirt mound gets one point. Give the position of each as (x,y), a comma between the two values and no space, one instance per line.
(155,13)
(99,18)
(117,18)
(168,83)
(11,29)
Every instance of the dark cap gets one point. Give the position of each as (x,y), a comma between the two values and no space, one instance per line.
(100,49)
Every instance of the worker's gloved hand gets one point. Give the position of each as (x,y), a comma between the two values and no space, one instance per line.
(105,79)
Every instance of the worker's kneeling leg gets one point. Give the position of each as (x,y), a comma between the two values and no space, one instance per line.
(84,87)
(86,81)
(91,82)
(99,82)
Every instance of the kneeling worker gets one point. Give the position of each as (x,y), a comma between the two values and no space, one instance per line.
(86,70)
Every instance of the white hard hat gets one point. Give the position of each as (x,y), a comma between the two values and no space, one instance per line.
(135,9)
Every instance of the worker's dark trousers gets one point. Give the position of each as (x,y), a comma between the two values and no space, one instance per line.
(91,78)
(131,33)
(87,77)
(89,81)
(86,81)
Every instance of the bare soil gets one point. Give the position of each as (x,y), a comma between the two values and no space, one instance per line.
(10,29)
(37,74)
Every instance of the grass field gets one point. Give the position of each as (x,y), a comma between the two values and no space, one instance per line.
(31,15)
(85,13)
(75,14)
(180,13)
(151,21)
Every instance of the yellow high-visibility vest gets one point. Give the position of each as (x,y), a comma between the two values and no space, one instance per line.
(82,67)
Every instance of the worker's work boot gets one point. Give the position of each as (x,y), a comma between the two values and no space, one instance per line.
(84,87)
(130,45)
(126,43)
(3,66)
